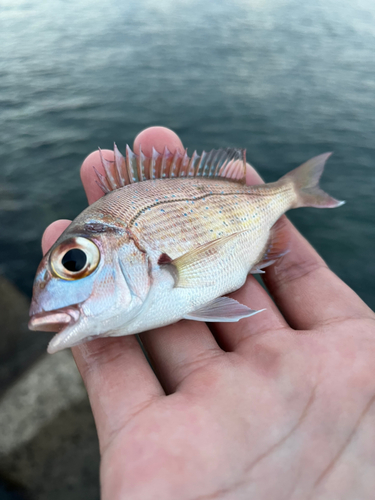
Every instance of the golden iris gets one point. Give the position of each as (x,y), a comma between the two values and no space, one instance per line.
(74,259)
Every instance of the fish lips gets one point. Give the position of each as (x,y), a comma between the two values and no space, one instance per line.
(54,321)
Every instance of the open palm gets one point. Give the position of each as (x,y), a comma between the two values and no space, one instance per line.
(279,406)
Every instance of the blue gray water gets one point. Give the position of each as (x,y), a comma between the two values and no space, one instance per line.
(285,79)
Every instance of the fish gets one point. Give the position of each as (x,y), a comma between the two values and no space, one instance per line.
(170,238)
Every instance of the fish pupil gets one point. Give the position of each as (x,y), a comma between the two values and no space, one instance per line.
(74,260)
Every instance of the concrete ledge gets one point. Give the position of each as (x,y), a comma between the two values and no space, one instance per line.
(18,346)
(48,441)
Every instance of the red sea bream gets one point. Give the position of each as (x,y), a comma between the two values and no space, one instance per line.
(169,239)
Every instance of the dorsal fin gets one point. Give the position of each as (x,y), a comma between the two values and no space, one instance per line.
(229,163)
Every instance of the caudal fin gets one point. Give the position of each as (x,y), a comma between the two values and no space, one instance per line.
(305,180)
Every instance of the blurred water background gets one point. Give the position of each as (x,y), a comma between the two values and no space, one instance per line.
(287,80)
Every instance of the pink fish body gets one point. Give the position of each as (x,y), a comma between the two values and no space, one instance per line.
(171,236)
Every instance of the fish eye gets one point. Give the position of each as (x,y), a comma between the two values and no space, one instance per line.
(74,259)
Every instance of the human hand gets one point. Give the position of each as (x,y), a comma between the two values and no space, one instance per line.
(278,406)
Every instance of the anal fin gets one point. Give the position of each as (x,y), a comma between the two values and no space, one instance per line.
(277,246)
(258,268)
(222,309)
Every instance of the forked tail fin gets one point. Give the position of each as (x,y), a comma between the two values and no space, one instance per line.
(305,180)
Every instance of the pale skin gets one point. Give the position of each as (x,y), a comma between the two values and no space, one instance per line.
(278,406)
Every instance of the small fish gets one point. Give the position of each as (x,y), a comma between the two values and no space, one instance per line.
(171,236)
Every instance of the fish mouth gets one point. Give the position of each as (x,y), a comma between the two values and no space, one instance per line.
(54,321)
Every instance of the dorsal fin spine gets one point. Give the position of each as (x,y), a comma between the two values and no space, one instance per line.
(215,162)
(244,163)
(120,166)
(221,172)
(224,166)
(214,156)
(102,182)
(191,167)
(184,165)
(201,164)
(131,166)
(154,158)
(143,171)
(227,165)
(163,166)
(178,166)
(110,175)
(181,165)
(231,169)
(193,163)
(218,163)
(207,167)
(138,162)
(174,166)
(165,163)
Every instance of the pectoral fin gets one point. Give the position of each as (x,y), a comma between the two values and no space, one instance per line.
(222,309)
(193,269)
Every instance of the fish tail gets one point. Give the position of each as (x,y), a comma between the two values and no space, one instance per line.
(305,180)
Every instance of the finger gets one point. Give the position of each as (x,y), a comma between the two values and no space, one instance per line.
(158,138)
(119,381)
(52,233)
(306,291)
(178,350)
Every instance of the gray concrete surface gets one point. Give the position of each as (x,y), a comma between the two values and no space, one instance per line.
(48,442)
(18,346)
